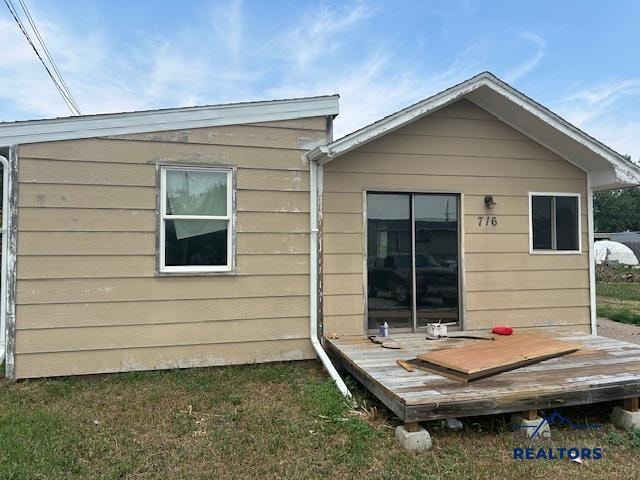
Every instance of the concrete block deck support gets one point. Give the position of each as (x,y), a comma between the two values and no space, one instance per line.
(532,426)
(411,436)
(627,417)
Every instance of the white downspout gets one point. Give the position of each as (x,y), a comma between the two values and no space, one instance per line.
(592,260)
(313,279)
(3,274)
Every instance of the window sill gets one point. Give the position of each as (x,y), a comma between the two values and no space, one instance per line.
(196,274)
(555,252)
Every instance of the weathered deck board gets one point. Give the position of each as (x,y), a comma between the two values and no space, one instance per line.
(604,369)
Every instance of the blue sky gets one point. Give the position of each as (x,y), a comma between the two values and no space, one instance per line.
(579,58)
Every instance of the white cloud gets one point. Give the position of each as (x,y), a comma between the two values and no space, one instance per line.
(22,75)
(608,91)
(607,111)
(525,67)
(316,56)
(593,102)
(624,137)
(373,88)
(228,24)
(158,73)
(317,34)
(153,73)
(373,82)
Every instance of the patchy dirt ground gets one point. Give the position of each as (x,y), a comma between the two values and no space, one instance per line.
(283,420)
(619,331)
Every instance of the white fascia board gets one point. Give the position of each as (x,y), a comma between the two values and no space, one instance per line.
(610,178)
(90,126)
(400,118)
(626,172)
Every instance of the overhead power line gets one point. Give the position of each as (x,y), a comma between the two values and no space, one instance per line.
(56,76)
(48,55)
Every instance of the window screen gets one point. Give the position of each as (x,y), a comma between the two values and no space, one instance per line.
(196,219)
(555,222)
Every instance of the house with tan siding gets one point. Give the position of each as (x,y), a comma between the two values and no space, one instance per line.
(245,233)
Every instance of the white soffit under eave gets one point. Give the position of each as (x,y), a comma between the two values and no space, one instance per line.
(559,136)
(88,126)
(518,111)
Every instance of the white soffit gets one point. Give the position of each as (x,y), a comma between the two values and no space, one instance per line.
(608,169)
(88,126)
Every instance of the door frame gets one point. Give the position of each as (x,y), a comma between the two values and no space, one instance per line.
(461,259)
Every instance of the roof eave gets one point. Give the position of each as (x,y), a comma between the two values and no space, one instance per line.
(614,177)
(404,116)
(90,126)
(625,172)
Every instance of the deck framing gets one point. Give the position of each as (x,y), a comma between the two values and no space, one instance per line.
(603,370)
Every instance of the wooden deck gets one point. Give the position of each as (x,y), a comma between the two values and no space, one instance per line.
(604,369)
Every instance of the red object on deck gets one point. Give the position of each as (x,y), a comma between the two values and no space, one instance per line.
(502,330)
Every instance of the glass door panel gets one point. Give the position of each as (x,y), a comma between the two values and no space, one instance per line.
(389,260)
(436,258)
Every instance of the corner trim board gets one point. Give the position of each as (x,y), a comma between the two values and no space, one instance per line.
(592,262)
(12,240)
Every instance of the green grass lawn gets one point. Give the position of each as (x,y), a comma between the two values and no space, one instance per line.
(619,301)
(262,421)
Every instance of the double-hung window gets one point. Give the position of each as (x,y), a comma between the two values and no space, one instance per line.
(554,223)
(196,206)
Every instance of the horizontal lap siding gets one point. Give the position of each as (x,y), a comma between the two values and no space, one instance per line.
(461,149)
(47,315)
(87,297)
(162,357)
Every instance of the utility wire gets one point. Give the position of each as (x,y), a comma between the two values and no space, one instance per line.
(57,80)
(16,17)
(48,55)
(68,99)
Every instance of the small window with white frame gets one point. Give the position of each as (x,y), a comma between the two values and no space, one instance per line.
(196,205)
(554,223)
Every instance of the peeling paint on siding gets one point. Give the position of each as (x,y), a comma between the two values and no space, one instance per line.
(12,232)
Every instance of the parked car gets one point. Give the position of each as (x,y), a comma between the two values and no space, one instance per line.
(390,277)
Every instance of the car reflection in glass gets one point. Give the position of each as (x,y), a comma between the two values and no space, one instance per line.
(438,281)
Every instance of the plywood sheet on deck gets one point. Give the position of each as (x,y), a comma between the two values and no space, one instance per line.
(503,354)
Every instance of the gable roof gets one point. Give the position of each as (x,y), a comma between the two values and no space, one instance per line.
(607,168)
(88,126)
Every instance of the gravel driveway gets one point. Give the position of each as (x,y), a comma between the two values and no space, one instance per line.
(619,331)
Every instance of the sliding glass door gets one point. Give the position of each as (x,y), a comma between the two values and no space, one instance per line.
(412,259)
(389,260)
(436,253)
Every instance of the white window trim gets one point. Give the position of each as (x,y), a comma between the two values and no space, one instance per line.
(195,269)
(532,251)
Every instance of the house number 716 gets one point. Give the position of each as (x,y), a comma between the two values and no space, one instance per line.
(487,221)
